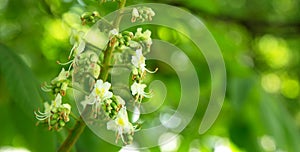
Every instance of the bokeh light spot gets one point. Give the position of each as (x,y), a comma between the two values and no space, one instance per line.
(57,30)
(274,51)
(169,142)
(267,143)
(290,88)
(270,83)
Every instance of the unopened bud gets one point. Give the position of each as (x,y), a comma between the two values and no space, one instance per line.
(55,116)
(62,123)
(53,122)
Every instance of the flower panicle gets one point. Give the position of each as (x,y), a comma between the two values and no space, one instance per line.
(59,84)
(55,115)
(101,99)
(138,72)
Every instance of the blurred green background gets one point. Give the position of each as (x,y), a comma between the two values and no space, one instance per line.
(260,42)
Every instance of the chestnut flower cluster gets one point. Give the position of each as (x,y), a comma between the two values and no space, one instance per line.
(101,97)
(55,115)
(86,65)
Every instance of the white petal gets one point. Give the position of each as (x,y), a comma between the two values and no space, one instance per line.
(136,114)
(135,61)
(134,88)
(108,95)
(140,88)
(106,86)
(112,33)
(47,107)
(57,101)
(111,125)
(67,106)
(80,48)
(128,128)
(120,100)
(147,34)
(89,100)
(98,83)
(139,52)
(135,12)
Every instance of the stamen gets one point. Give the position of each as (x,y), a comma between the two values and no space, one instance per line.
(46,89)
(71,65)
(66,63)
(151,71)
(46,85)
(71,52)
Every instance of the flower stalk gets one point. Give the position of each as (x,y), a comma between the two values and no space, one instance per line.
(79,127)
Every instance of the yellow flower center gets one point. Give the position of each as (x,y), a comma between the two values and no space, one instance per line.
(100,92)
(142,59)
(121,122)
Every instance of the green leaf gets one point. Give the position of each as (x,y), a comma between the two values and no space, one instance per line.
(23,89)
(280,124)
(19,81)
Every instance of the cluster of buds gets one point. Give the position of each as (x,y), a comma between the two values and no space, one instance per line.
(55,115)
(59,84)
(143,38)
(142,14)
(123,40)
(90,17)
(112,106)
(126,40)
(88,61)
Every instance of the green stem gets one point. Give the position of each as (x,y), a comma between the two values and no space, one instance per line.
(108,52)
(73,136)
(80,125)
(106,62)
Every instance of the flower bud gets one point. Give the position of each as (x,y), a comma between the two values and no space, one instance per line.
(114,105)
(54,110)
(135,71)
(53,122)
(62,123)
(135,13)
(55,116)
(66,119)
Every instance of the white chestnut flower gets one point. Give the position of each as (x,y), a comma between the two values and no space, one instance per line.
(113,33)
(135,14)
(101,90)
(99,93)
(150,13)
(138,61)
(145,37)
(48,108)
(54,111)
(62,76)
(138,90)
(121,125)
(77,40)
